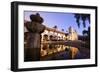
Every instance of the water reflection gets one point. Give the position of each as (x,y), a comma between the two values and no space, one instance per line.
(58,51)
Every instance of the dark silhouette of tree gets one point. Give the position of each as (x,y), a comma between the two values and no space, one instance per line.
(62,29)
(85,33)
(82,17)
(88,31)
(55,27)
(77,16)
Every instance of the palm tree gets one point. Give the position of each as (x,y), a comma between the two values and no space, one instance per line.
(82,17)
(77,16)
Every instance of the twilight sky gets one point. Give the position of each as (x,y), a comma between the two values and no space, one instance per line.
(61,20)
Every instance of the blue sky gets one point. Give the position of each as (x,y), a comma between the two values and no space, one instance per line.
(61,20)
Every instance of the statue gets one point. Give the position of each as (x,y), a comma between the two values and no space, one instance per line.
(35,28)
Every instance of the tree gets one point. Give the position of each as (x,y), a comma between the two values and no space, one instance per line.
(62,29)
(85,32)
(89,31)
(55,27)
(82,17)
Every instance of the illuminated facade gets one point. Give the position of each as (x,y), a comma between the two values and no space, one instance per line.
(72,35)
(51,34)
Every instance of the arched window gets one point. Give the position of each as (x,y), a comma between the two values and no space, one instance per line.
(45,37)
